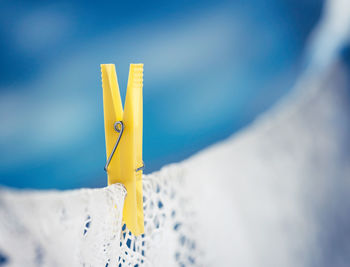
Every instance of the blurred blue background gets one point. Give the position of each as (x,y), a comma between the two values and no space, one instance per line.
(210,67)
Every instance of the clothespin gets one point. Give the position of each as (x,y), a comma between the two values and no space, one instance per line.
(123,133)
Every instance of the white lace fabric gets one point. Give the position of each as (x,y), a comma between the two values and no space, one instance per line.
(84,227)
(73,228)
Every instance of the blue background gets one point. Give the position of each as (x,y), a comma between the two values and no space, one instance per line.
(210,67)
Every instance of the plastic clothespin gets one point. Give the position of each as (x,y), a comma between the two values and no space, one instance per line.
(123,133)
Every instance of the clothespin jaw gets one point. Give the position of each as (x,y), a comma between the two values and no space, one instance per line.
(113,112)
(125,165)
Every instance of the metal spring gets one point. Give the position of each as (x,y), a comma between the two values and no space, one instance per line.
(119,128)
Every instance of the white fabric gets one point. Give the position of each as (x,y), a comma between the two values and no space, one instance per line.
(73,228)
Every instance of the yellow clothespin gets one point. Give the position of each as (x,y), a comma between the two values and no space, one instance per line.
(123,132)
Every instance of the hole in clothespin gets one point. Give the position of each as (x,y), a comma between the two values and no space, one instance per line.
(118,126)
